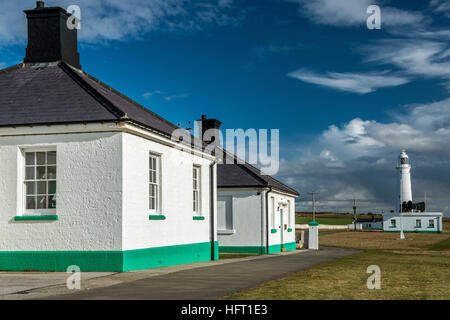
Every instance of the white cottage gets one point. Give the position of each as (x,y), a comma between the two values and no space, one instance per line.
(88,176)
(255,212)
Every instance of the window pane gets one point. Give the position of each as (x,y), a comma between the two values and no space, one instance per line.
(29,173)
(31,202)
(51,157)
(40,173)
(40,158)
(152,190)
(51,172)
(41,202)
(41,187)
(52,187)
(29,158)
(52,201)
(30,188)
(152,203)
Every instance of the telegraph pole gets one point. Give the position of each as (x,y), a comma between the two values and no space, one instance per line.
(313,194)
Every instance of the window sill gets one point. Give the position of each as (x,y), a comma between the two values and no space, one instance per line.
(226,232)
(273,231)
(156,217)
(393,227)
(289,230)
(431,227)
(418,227)
(198,218)
(29,218)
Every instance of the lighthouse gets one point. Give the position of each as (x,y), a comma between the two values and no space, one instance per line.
(413,217)
(404,180)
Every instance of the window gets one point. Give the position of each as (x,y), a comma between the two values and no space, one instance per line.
(154,183)
(431,223)
(224,213)
(418,223)
(196,190)
(289,213)
(393,223)
(40,180)
(272,206)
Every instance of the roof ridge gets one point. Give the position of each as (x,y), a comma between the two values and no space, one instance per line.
(16,66)
(127,98)
(91,91)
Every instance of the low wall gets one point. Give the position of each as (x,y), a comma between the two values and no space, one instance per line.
(323,227)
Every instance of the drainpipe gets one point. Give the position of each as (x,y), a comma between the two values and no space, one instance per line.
(211,204)
(267,219)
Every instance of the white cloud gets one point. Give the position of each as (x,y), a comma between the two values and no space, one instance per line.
(106,20)
(150,94)
(417,57)
(353,12)
(351,82)
(441,6)
(358,159)
(177,96)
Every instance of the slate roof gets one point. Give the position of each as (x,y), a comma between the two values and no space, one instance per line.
(236,175)
(49,93)
(57,93)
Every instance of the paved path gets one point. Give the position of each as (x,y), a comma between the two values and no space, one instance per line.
(215,281)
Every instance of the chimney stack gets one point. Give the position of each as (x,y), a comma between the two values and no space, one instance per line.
(210,130)
(49,38)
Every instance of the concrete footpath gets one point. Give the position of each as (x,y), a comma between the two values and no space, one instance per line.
(214,281)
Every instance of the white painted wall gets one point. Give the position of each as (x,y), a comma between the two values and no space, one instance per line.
(102,192)
(89,193)
(176,203)
(409,221)
(249,217)
(247,208)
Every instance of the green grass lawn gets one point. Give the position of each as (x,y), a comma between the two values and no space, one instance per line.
(441,245)
(403,276)
(417,268)
(333,221)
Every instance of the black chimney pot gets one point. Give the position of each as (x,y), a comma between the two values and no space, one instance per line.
(49,39)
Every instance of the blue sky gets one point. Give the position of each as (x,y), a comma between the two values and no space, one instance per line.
(345,98)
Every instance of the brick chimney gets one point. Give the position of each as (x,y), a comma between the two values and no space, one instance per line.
(49,39)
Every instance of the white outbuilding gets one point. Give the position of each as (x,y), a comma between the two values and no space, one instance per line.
(409,216)
(255,212)
(88,176)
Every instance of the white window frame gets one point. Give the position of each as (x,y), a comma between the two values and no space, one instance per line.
(196,190)
(157,183)
(272,208)
(23,178)
(393,223)
(289,214)
(418,223)
(431,223)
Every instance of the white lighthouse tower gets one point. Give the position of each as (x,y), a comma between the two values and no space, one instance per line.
(415,218)
(404,180)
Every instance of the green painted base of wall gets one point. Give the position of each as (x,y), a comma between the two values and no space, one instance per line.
(414,231)
(118,261)
(242,249)
(257,249)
